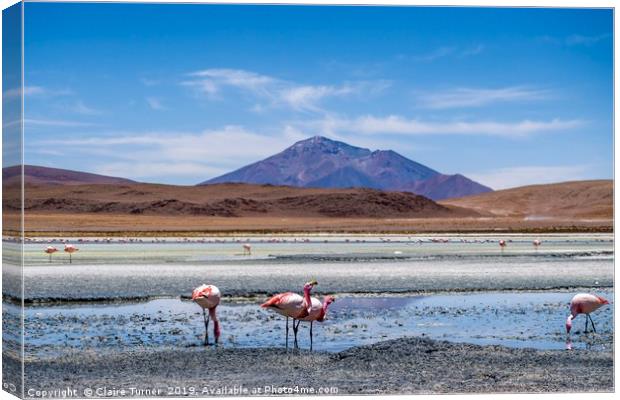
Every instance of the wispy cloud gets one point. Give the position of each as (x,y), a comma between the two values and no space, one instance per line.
(439,52)
(274,92)
(575,39)
(448,51)
(80,108)
(476,97)
(503,178)
(150,82)
(150,171)
(35,91)
(55,123)
(175,155)
(473,50)
(394,124)
(307,97)
(155,103)
(211,81)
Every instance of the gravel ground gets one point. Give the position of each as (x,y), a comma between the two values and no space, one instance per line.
(408,365)
(130,282)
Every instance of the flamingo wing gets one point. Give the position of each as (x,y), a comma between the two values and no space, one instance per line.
(315,312)
(585,303)
(288,304)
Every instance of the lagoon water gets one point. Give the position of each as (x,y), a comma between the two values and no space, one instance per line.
(458,288)
(524,319)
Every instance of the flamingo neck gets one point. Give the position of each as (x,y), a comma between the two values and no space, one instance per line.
(569,323)
(216,323)
(324,311)
(307,301)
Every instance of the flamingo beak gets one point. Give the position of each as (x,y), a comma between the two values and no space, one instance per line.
(313,282)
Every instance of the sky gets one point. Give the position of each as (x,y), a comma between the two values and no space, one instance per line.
(183,93)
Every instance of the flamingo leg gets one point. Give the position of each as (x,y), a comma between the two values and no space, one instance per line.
(69,258)
(295,329)
(587,317)
(310,335)
(286,333)
(592,322)
(206,319)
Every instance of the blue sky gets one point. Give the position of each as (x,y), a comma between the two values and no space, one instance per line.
(182,93)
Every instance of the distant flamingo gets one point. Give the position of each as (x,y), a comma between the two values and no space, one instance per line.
(584,303)
(208,298)
(247,249)
(536,243)
(69,248)
(291,305)
(317,312)
(51,250)
(502,244)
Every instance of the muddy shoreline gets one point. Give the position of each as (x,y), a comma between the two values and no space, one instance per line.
(403,366)
(260,296)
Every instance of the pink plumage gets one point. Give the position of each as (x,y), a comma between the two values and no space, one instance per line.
(316,312)
(51,249)
(584,303)
(69,248)
(208,298)
(288,304)
(291,305)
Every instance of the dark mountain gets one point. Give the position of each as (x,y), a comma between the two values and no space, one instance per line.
(55,176)
(447,186)
(326,163)
(226,200)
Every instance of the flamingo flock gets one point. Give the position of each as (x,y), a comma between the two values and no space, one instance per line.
(304,308)
(288,304)
(69,249)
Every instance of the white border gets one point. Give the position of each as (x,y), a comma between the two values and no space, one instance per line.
(479,3)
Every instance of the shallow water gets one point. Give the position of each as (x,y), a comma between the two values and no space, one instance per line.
(529,319)
(356,264)
(266,249)
(382,275)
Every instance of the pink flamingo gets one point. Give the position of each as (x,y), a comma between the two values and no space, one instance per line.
(51,250)
(208,298)
(247,249)
(536,243)
(502,244)
(317,312)
(291,305)
(584,303)
(69,248)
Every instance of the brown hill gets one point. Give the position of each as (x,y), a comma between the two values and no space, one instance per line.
(56,176)
(579,200)
(228,200)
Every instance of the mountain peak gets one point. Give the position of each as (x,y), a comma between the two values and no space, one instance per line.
(313,141)
(321,144)
(326,163)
